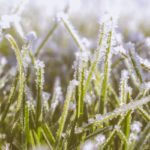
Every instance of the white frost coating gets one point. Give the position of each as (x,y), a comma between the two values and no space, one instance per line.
(72,106)
(133,136)
(46,96)
(3,61)
(57,96)
(72,31)
(54,105)
(83,55)
(98,117)
(30,37)
(134,61)
(123,86)
(86,42)
(89,145)
(144,62)
(136,127)
(75,82)
(109,21)
(123,109)
(91,120)
(28,93)
(147,42)
(119,50)
(100,139)
(39,65)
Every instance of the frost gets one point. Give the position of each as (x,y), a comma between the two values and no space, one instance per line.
(123,86)
(39,66)
(6,147)
(54,105)
(119,50)
(78,130)
(100,139)
(46,96)
(136,127)
(89,145)
(147,41)
(30,37)
(3,61)
(28,93)
(83,56)
(86,43)
(135,62)
(109,21)
(98,117)
(144,62)
(91,120)
(72,106)
(75,82)
(133,136)
(57,92)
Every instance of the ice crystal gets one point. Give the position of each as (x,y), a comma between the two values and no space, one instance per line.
(100,139)
(30,37)
(136,127)
(91,120)
(89,145)
(72,106)
(133,136)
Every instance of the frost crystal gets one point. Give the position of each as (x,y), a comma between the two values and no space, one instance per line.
(144,62)
(133,136)
(30,37)
(100,139)
(119,50)
(46,96)
(98,117)
(72,106)
(89,145)
(3,61)
(57,96)
(75,82)
(147,42)
(136,127)
(91,120)
(124,87)
(83,55)
(86,43)
(109,21)
(54,105)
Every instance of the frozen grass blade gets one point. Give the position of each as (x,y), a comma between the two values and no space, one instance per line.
(135,62)
(65,110)
(71,30)
(12,92)
(50,33)
(123,109)
(27,128)
(123,87)
(92,69)
(48,134)
(105,78)
(39,66)
(21,72)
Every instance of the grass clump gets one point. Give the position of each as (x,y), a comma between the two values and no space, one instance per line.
(102,103)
